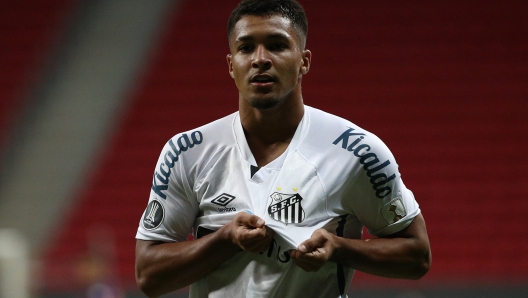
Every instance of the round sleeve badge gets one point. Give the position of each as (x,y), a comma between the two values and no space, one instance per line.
(153,215)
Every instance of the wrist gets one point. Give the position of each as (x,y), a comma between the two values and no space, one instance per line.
(337,248)
(225,237)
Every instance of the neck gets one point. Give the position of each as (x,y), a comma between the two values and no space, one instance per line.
(277,124)
(269,131)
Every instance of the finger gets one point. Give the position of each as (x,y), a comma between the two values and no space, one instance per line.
(269,232)
(256,221)
(317,240)
(310,261)
(248,220)
(294,254)
(301,257)
(261,236)
(256,236)
(252,234)
(258,244)
(307,246)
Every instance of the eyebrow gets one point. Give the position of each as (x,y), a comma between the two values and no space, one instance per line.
(270,36)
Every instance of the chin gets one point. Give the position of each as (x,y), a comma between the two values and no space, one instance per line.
(264,104)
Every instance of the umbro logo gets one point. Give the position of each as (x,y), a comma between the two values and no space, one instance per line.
(223,200)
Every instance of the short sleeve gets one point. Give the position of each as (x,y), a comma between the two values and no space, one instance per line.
(171,208)
(378,196)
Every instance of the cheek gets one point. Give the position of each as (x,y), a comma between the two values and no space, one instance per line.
(240,82)
(293,72)
(292,69)
(238,72)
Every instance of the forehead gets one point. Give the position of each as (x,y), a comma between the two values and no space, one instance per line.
(250,26)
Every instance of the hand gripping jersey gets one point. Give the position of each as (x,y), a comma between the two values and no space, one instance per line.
(334,175)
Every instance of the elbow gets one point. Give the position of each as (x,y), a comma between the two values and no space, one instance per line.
(422,266)
(153,286)
(146,285)
(420,271)
(143,286)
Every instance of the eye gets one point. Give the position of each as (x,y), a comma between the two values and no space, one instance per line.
(245,48)
(278,46)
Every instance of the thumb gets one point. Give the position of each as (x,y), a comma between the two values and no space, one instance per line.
(255,221)
(246,218)
(305,246)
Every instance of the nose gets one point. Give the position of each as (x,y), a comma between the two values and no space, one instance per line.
(261,58)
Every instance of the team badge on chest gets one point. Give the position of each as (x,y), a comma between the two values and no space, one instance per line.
(286,208)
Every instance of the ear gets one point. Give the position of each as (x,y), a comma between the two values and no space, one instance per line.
(230,65)
(306,61)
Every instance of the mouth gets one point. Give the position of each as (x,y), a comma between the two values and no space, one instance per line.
(262,80)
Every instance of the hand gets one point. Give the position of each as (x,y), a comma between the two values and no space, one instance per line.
(313,253)
(249,232)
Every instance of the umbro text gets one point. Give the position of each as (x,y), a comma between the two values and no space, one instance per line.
(227,209)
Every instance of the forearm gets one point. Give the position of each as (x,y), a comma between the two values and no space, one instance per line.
(403,255)
(395,258)
(165,267)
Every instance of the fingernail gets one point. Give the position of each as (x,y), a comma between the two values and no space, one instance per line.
(260,222)
(302,248)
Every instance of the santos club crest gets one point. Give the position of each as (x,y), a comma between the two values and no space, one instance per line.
(286,208)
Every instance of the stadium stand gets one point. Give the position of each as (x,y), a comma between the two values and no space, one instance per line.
(29,31)
(442,83)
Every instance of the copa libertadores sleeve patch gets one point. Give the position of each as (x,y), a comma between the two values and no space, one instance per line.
(394,210)
(153,215)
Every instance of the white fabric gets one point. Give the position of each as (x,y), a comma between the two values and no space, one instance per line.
(334,175)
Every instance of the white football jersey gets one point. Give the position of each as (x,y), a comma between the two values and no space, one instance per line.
(334,175)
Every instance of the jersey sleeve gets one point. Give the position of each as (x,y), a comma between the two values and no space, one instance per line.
(377,195)
(171,209)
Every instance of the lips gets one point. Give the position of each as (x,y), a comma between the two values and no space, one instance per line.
(262,79)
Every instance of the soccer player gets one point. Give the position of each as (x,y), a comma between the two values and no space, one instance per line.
(277,193)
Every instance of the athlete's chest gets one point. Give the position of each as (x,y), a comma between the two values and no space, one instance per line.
(290,195)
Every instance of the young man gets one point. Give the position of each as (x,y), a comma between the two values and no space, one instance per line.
(278,192)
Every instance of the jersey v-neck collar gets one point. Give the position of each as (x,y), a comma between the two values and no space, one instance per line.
(277,163)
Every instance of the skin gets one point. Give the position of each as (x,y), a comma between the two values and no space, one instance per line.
(163,267)
(270,111)
(405,254)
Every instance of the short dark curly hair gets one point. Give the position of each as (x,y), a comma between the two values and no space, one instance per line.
(289,9)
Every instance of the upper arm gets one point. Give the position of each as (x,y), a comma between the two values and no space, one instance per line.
(171,210)
(415,230)
(417,240)
(142,247)
(375,193)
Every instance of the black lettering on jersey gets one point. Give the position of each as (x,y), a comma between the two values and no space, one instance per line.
(227,209)
(281,255)
(160,180)
(369,160)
